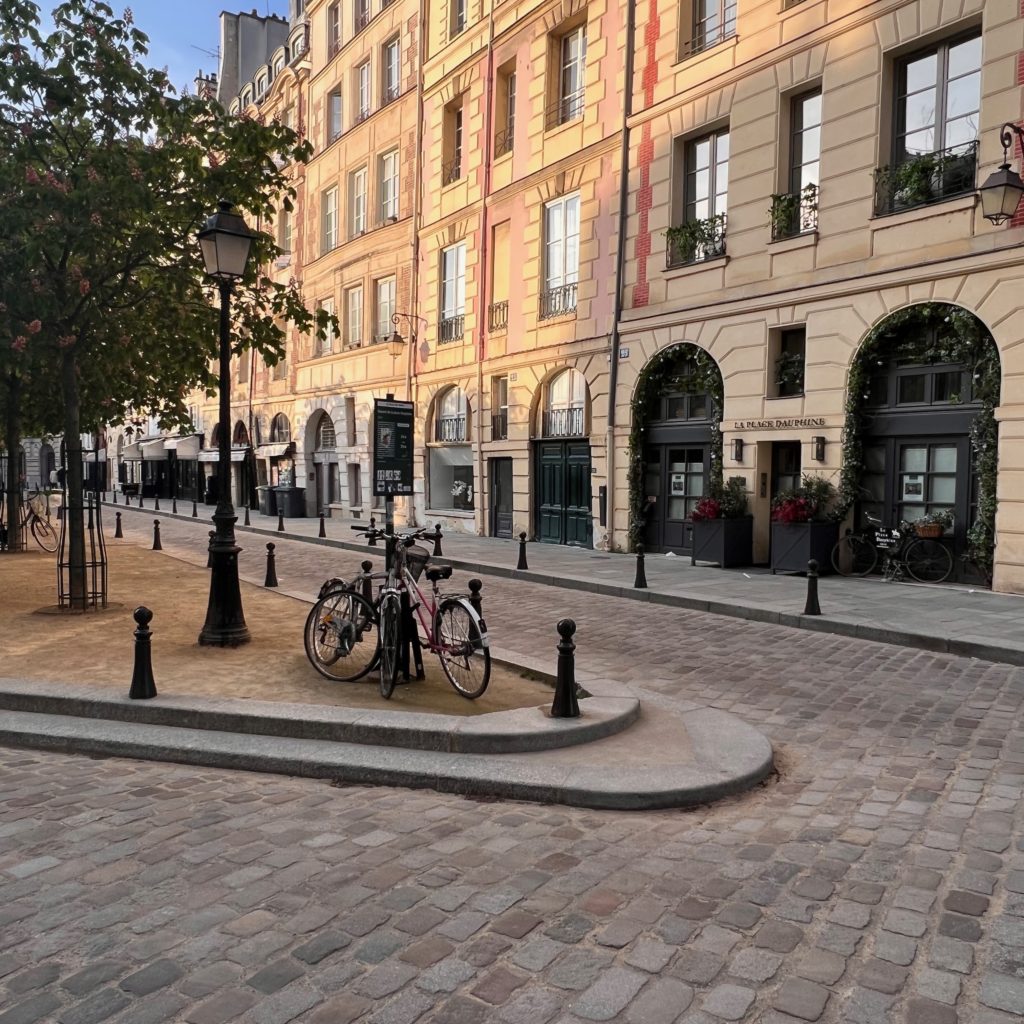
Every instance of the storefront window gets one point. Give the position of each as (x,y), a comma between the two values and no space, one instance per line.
(451,457)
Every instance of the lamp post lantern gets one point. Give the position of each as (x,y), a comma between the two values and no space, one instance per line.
(1000,195)
(225,242)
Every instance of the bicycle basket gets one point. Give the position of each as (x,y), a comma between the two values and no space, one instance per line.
(38,505)
(416,559)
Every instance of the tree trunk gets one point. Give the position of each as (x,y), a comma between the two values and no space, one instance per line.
(74,523)
(12,439)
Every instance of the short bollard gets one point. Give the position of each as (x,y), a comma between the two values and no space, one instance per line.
(156,503)
(640,580)
(372,542)
(812,607)
(565,704)
(157,546)
(271,580)
(475,586)
(437,540)
(280,522)
(323,529)
(521,564)
(143,687)
(174,505)
(118,535)
(367,567)
(115,497)
(195,511)
(246,522)
(141,504)
(209,550)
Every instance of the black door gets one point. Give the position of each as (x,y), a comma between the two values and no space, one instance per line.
(563,493)
(500,471)
(675,478)
(785,466)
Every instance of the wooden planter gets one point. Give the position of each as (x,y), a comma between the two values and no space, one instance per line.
(727,542)
(929,531)
(795,544)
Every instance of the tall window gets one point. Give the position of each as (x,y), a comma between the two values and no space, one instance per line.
(565,413)
(284,230)
(391,64)
(357,201)
(705,200)
(354,315)
(799,211)
(385,308)
(363,90)
(243,367)
(333,114)
(329,220)
(572,78)
(713,22)
(451,458)
(505,135)
(362,14)
(457,16)
(453,292)
(327,344)
(499,408)
(452,168)
(561,256)
(388,185)
(333,29)
(326,437)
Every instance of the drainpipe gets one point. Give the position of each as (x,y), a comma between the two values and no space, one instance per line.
(613,352)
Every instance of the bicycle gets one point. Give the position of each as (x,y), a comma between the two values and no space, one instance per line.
(902,552)
(34,513)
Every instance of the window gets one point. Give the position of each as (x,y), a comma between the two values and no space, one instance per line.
(561,256)
(714,21)
(391,71)
(278,66)
(451,170)
(385,309)
(789,355)
(388,185)
(705,193)
(357,202)
(797,211)
(333,114)
(505,135)
(354,316)
(243,367)
(457,17)
(451,464)
(323,347)
(565,413)
(329,220)
(453,293)
(284,230)
(280,429)
(499,408)
(326,439)
(361,14)
(279,371)
(497,311)
(333,29)
(572,77)
(363,91)
(261,86)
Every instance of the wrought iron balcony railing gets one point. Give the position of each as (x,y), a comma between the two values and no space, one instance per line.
(451,328)
(503,141)
(696,241)
(794,213)
(565,109)
(717,27)
(451,171)
(449,429)
(497,317)
(390,94)
(919,179)
(499,426)
(361,115)
(362,19)
(565,422)
(559,301)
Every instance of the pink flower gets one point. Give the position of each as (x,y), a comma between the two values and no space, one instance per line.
(67,340)
(84,286)
(35,327)
(19,343)
(97,220)
(30,176)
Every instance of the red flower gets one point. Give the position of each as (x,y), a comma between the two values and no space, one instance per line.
(84,286)
(35,327)
(706,508)
(30,176)
(19,343)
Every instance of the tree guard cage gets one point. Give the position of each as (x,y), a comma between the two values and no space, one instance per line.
(94,565)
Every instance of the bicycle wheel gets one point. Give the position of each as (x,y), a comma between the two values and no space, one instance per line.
(854,556)
(45,535)
(340,638)
(928,561)
(466,662)
(390,642)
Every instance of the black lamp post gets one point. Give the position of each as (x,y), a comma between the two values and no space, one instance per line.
(225,242)
(1000,195)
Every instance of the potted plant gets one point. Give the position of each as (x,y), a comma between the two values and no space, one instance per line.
(933,525)
(801,529)
(696,240)
(723,533)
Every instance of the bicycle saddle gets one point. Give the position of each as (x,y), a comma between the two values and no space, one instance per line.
(439,572)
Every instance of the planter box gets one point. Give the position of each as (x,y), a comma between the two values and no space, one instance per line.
(727,542)
(795,544)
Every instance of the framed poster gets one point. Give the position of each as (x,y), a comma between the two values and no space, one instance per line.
(677,484)
(392,447)
(913,487)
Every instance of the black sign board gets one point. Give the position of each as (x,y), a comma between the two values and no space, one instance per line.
(392,447)
(886,540)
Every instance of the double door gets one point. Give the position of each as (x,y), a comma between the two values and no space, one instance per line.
(675,479)
(563,493)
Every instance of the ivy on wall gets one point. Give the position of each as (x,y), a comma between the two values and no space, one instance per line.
(933,332)
(679,368)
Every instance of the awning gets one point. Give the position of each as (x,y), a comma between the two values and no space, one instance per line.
(184,447)
(153,451)
(213,455)
(131,452)
(275,451)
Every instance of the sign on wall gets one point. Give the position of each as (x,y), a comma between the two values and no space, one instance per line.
(392,447)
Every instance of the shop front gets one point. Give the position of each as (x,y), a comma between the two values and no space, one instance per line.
(183,456)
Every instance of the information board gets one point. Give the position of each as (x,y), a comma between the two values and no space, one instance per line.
(392,447)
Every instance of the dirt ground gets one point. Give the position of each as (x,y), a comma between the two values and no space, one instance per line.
(37,642)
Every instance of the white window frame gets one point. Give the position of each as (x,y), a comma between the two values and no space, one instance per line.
(386,293)
(354,316)
(334,114)
(326,346)
(561,242)
(363,89)
(329,219)
(388,184)
(459,16)
(453,281)
(333,28)
(357,202)
(572,71)
(284,230)
(391,59)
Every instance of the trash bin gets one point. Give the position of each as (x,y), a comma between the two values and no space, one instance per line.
(268,505)
(291,502)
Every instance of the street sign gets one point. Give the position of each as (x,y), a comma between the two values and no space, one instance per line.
(392,447)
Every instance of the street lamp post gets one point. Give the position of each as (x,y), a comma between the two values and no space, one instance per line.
(1000,195)
(225,242)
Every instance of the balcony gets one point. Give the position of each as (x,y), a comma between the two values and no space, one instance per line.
(566,109)
(565,422)
(451,328)
(920,179)
(560,301)
(716,28)
(451,171)
(497,317)
(390,94)
(696,241)
(794,213)
(499,426)
(361,116)
(450,429)
(362,19)
(503,141)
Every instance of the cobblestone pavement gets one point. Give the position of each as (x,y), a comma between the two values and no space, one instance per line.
(879,878)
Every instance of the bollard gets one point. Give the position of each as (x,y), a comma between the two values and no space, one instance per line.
(174,505)
(141,505)
(521,564)
(143,687)
(195,512)
(475,600)
(812,607)
(565,704)
(271,580)
(323,529)
(157,546)
(209,550)
(437,540)
(246,521)
(372,542)
(640,580)
(156,503)
(118,535)
(367,568)
(115,497)
(280,522)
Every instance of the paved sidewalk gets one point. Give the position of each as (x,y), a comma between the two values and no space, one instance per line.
(954,619)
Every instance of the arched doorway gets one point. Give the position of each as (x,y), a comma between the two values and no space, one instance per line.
(675,446)
(920,432)
(450,455)
(325,462)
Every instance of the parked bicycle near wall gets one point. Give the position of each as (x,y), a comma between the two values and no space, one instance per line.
(902,552)
(34,513)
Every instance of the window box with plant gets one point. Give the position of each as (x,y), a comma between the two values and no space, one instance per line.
(723,532)
(801,527)
(789,374)
(696,241)
(794,213)
(932,525)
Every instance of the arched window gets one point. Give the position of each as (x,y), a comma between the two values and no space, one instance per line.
(451,421)
(451,457)
(565,405)
(326,440)
(280,429)
(241,435)
(215,436)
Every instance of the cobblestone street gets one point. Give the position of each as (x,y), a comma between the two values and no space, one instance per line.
(879,878)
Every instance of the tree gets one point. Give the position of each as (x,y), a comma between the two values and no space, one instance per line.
(111,176)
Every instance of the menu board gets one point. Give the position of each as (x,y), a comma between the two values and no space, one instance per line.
(392,447)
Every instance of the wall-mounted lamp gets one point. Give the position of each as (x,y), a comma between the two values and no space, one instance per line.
(1000,195)
(818,449)
(737,449)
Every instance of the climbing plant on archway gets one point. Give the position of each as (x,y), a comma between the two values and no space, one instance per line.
(932,332)
(684,367)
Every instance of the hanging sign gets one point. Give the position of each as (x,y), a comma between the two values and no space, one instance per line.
(392,447)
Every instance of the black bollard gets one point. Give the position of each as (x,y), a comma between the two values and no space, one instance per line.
(141,505)
(323,529)
(195,511)
(143,687)
(115,497)
(372,542)
(812,607)
(271,580)
(156,503)
(209,550)
(565,704)
(280,522)
(640,580)
(437,540)
(521,564)
(246,520)
(475,586)
(367,568)
(174,505)
(118,535)
(157,546)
